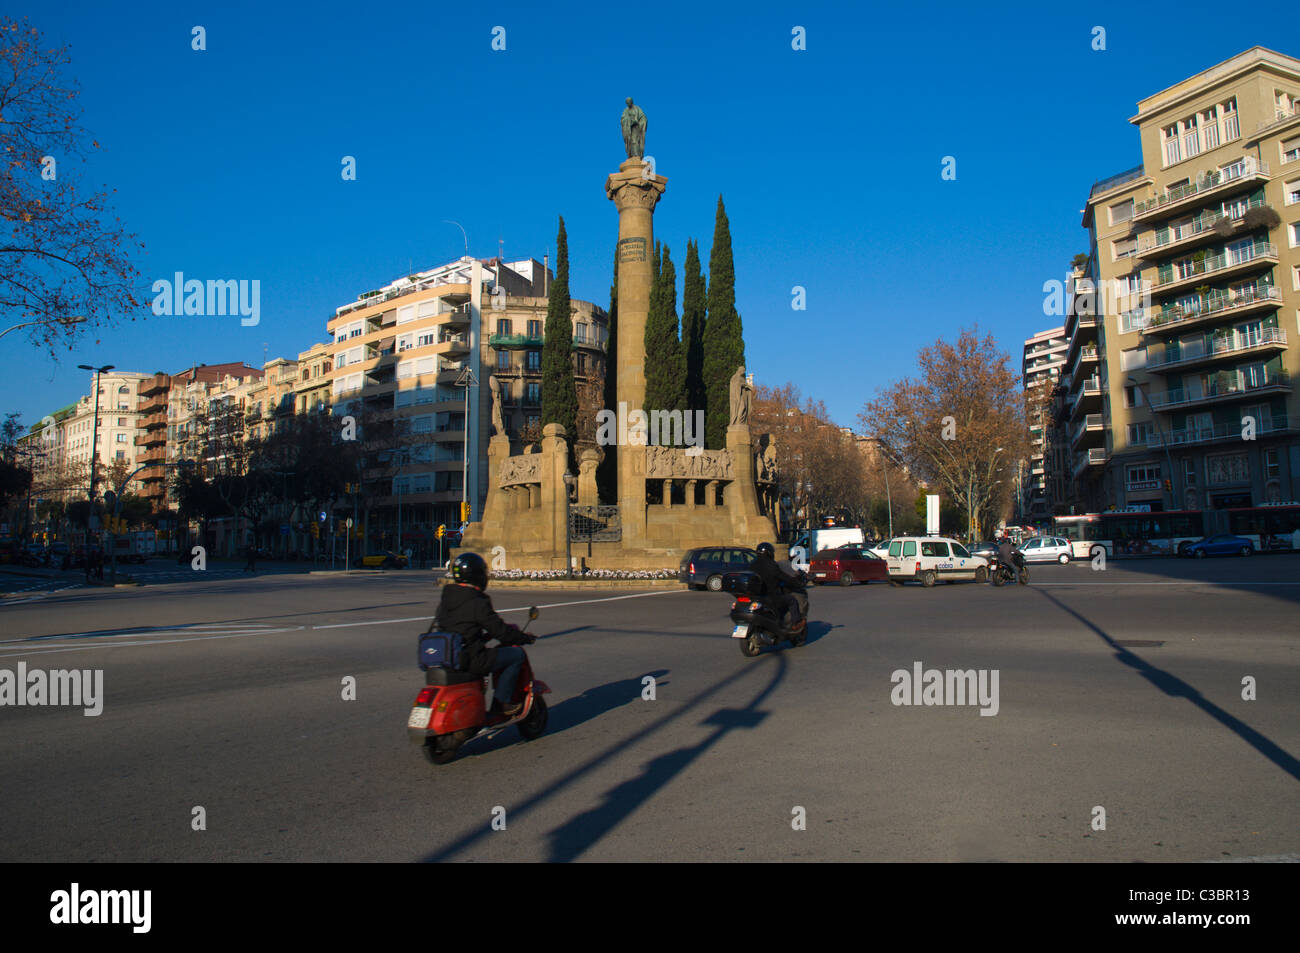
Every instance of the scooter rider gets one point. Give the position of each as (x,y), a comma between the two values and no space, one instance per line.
(775,579)
(465,608)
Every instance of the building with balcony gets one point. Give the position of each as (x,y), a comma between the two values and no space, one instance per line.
(1196,254)
(421,352)
(1043,476)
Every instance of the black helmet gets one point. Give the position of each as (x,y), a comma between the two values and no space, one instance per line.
(470,569)
(766,549)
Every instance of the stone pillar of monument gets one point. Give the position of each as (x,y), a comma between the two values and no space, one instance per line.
(635,190)
(587,494)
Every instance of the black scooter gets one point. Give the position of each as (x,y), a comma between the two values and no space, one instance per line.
(757,623)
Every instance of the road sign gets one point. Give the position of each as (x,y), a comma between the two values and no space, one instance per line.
(349,522)
(322,516)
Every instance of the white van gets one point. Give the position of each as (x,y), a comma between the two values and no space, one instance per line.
(929,559)
(815,540)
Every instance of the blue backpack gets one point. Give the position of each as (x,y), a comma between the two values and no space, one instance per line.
(440,649)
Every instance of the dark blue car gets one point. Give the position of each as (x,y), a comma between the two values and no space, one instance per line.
(1219,546)
(705,567)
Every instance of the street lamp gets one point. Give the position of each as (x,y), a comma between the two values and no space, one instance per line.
(570,481)
(1163,442)
(94,437)
(467,379)
(66,322)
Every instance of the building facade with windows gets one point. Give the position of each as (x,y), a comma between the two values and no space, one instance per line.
(421,352)
(1043,478)
(1195,257)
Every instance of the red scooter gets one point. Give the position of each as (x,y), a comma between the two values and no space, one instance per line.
(453,708)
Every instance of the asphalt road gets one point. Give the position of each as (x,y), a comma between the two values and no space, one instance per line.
(226,694)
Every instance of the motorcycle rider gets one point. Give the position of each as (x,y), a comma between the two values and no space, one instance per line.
(1007,552)
(774,580)
(465,608)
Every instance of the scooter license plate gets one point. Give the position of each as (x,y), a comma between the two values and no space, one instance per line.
(740,632)
(419,718)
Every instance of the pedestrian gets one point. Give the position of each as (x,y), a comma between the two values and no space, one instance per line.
(251,565)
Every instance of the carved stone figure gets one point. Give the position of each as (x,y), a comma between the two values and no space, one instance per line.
(742,393)
(634,126)
(520,469)
(498,420)
(765,459)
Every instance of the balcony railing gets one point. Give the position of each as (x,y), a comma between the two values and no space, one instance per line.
(1215,302)
(1219,388)
(588,340)
(1190,435)
(1215,263)
(1093,422)
(1245,168)
(1199,226)
(1094,457)
(1197,351)
(514,341)
(1280,117)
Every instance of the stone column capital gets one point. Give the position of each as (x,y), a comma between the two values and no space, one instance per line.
(634,187)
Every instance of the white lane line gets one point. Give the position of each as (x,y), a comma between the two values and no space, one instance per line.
(1190,582)
(553,605)
(112,645)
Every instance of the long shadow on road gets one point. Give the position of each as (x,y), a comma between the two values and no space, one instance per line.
(566,841)
(1174,686)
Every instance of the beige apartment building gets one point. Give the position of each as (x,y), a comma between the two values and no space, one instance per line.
(1043,480)
(1190,401)
(424,349)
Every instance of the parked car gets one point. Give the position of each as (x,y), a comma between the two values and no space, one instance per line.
(385,559)
(1046,549)
(930,559)
(881,548)
(703,568)
(1218,546)
(847,565)
(987,549)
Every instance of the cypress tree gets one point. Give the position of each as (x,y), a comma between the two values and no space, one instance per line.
(607,470)
(665,364)
(693,312)
(559,390)
(724,343)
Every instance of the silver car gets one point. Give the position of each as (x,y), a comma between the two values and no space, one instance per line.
(1046,549)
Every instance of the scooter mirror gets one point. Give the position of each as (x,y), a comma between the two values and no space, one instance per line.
(532,613)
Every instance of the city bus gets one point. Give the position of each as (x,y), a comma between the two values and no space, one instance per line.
(1130,532)
(1273,527)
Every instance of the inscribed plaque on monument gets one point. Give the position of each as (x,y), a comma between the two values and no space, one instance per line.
(631,249)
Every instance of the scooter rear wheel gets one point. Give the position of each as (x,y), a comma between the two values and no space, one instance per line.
(749,646)
(440,750)
(533,726)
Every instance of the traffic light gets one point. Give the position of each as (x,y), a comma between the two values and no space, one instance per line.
(315,530)
(1169,485)
(442,530)
(464,510)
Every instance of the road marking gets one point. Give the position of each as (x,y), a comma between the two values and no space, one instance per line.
(553,605)
(116,644)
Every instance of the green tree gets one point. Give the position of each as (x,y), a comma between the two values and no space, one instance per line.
(694,304)
(665,363)
(724,343)
(559,390)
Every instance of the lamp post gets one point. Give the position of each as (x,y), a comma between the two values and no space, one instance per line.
(66,322)
(465,380)
(569,482)
(1163,442)
(94,435)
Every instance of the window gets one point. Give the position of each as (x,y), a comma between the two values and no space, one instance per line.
(909,549)
(1272,466)
(1210,124)
(934,549)
(121,421)
(1293,232)
(1125,248)
(534,329)
(1189,472)
(1144,477)
(1131,396)
(121,438)
(504,326)
(403,343)
(1140,433)
(533,360)
(424,339)
(1291,150)
(1191,137)
(503,360)
(121,455)
(533,394)
(1132,358)
(960,551)
(534,420)
(505,392)
(1122,212)
(1292,192)
(1172,152)
(1231,129)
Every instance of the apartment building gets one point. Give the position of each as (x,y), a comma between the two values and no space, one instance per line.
(422,351)
(1044,477)
(1195,255)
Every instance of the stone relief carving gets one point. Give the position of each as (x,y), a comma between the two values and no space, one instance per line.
(520,469)
(674,463)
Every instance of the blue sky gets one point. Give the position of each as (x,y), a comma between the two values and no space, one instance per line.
(227,162)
